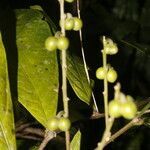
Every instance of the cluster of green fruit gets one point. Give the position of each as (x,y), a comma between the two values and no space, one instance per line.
(110,73)
(55,124)
(124,106)
(72,23)
(52,43)
(110,48)
(61,42)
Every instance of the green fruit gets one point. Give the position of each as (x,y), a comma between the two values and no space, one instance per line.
(100,73)
(52,124)
(114,109)
(128,109)
(63,43)
(77,24)
(64,124)
(112,75)
(69,1)
(111,49)
(51,43)
(69,23)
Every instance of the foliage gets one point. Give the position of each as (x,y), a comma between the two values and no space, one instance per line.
(39,95)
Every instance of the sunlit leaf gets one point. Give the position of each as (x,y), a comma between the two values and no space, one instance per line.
(38,69)
(75,143)
(141,48)
(7,131)
(77,78)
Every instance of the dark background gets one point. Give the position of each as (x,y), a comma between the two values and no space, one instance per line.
(127,22)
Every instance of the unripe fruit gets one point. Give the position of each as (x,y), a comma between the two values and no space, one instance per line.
(69,1)
(69,23)
(51,43)
(128,109)
(63,43)
(64,124)
(114,109)
(77,24)
(100,73)
(52,124)
(112,75)
(111,49)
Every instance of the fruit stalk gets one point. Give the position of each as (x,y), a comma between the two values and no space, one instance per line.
(105,92)
(64,74)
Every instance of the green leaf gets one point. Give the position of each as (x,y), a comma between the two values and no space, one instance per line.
(146,107)
(38,69)
(7,131)
(77,78)
(141,48)
(75,143)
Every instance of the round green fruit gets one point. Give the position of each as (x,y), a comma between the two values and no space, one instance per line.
(69,23)
(52,124)
(64,124)
(63,43)
(111,49)
(112,75)
(51,43)
(69,1)
(77,24)
(114,109)
(128,109)
(100,73)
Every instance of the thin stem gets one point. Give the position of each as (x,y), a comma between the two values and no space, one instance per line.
(83,56)
(64,85)
(105,93)
(64,74)
(48,136)
(67,134)
(106,135)
(134,122)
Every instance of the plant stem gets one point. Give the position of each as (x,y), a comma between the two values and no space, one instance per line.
(64,74)
(105,93)
(106,135)
(134,122)
(48,136)
(83,56)
(108,121)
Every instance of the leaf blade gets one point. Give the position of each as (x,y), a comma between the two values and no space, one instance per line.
(38,69)
(75,143)
(7,129)
(77,79)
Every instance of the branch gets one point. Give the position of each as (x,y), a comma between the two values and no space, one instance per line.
(30,137)
(134,122)
(48,136)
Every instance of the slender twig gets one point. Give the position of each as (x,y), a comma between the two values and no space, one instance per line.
(20,127)
(134,122)
(97,115)
(105,93)
(35,131)
(48,136)
(30,137)
(106,135)
(147,111)
(83,56)
(64,74)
